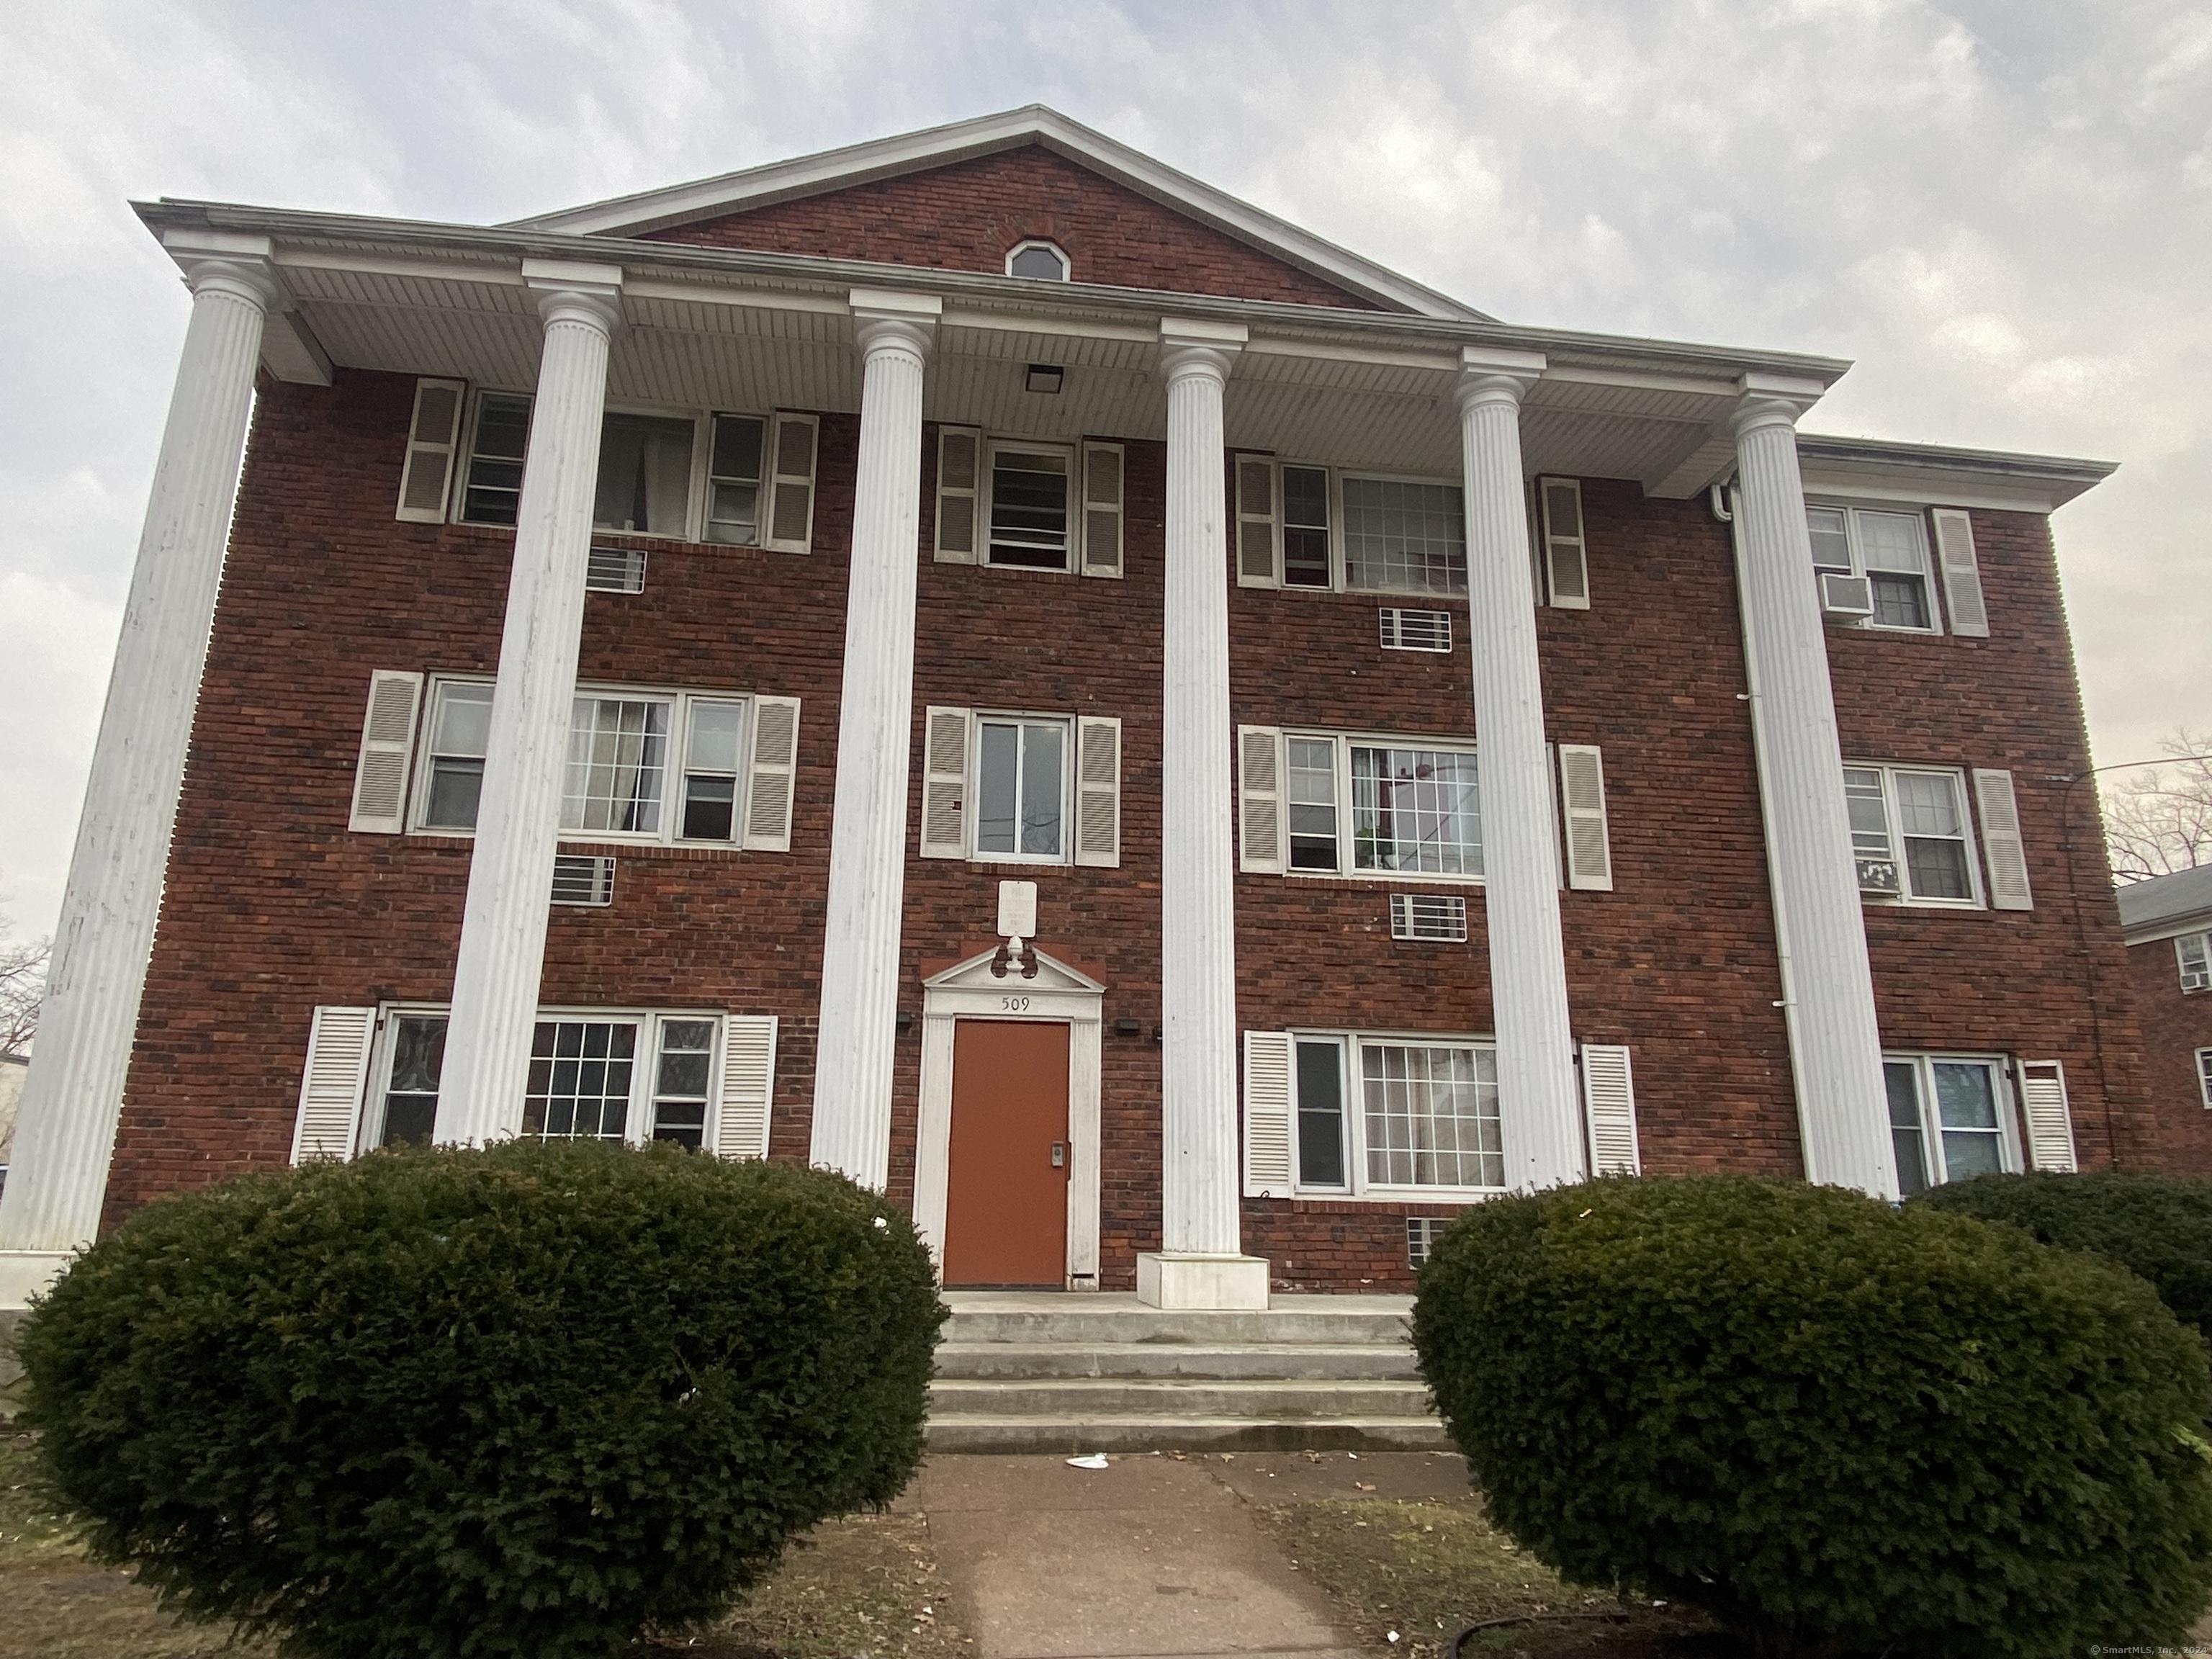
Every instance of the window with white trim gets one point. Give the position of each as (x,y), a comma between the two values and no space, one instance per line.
(1887,547)
(1021,789)
(2192,953)
(2204,1075)
(658,766)
(1302,526)
(684,474)
(1360,806)
(1392,1114)
(1913,818)
(1950,1118)
(1044,261)
(1028,512)
(631,1076)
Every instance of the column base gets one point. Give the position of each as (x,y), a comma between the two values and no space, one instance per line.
(25,1272)
(1202,1281)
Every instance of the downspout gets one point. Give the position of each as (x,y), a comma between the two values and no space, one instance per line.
(1721,497)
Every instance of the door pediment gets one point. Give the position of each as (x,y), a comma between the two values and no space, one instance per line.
(975,974)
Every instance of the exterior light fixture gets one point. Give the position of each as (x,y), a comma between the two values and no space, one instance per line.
(1045,377)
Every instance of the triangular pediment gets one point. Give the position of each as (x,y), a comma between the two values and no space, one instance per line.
(948,192)
(975,974)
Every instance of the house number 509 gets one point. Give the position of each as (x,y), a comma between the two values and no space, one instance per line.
(1015,1005)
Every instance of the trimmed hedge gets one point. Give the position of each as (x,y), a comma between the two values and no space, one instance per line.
(2158,1228)
(1836,1426)
(528,1401)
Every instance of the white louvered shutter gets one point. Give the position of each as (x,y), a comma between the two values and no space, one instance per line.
(1256,565)
(1566,550)
(791,501)
(1260,826)
(1269,1112)
(747,1081)
(1581,793)
(1098,791)
(2048,1119)
(1102,515)
(960,454)
(434,433)
(1609,1110)
(387,738)
(1962,573)
(331,1085)
(770,770)
(945,783)
(2003,848)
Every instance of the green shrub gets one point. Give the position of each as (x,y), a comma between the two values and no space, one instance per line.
(521,1401)
(2157,1228)
(1836,1426)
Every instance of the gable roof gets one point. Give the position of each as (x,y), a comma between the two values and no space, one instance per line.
(2165,899)
(935,147)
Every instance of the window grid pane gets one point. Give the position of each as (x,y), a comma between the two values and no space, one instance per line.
(734,492)
(1431,1116)
(679,1093)
(579,1080)
(1901,1078)
(617,765)
(494,484)
(1404,535)
(1869,813)
(2196,960)
(1966,1108)
(1320,1115)
(1934,827)
(1313,803)
(645,475)
(1416,809)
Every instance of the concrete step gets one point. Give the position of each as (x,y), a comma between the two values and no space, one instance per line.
(1136,1432)
(1083,1398)
(1346,1361)
(1108,1318)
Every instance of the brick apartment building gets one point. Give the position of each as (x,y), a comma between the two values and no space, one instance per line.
(2168,928)
(982,638)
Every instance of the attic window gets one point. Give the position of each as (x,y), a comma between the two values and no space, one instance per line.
(1042,260)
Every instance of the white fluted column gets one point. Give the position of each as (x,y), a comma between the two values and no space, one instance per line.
(1539,1112)
(503,955)
(65,1133)
(855,1051)
(1827,985)
(1200,1263)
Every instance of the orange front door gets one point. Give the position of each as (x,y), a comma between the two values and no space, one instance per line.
(1006,1199)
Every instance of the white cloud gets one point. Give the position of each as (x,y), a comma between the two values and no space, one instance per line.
(2002,213)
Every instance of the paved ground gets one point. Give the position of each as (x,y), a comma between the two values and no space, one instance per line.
(1151,1557)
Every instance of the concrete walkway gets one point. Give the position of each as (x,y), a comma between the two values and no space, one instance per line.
(1150,1558)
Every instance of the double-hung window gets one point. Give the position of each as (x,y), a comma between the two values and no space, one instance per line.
(1910,834)
(1890,549)
(1021,789)
(1300,525)
(1028,522)
(2193,954)
(1949,1118)
(622,778)
(740,480)
(1359,805)
(2204,1075)
(1385,1113)
(593,1076)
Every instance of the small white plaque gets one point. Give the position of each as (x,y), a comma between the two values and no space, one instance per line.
(1017,909)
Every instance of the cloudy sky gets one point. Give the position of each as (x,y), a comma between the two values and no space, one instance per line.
(2001,210)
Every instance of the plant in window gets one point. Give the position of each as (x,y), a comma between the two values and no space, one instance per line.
(522,1400)
(1840,1427)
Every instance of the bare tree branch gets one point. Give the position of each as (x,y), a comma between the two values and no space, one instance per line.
(22,987)
(2159,821)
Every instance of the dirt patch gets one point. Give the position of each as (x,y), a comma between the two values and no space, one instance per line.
(1426,1568)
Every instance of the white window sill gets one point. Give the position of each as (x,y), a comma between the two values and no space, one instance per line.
(1386,878)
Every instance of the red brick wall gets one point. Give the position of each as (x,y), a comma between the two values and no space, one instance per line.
(273,906)
(2018,981)
(2175,1024)
(967,216)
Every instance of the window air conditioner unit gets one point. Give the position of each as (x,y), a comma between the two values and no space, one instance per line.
(1878,878)
(1845,598)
